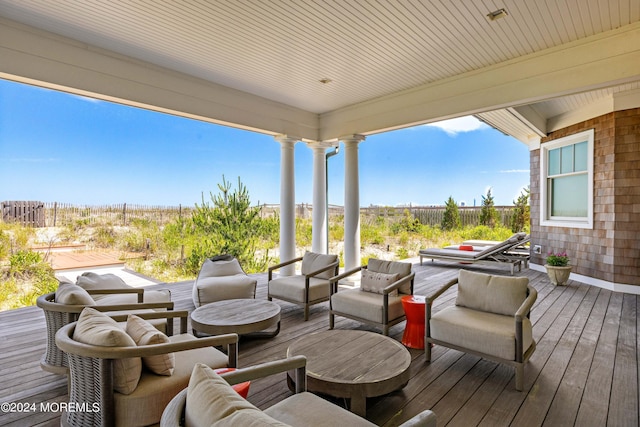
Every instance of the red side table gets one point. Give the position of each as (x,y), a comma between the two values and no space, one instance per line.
(242,388)
(465,248)
(414,306)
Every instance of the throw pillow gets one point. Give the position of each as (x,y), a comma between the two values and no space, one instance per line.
(372,281)
(96,328)
(144,333)
(71,294)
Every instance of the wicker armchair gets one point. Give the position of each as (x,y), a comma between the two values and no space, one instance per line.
(57,315)
(378,301)
(306,289)
(93,372)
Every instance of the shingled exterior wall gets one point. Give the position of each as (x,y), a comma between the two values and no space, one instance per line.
(611,250)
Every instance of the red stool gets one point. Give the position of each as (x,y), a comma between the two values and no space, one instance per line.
(465,248)
(414,306)
(242,389)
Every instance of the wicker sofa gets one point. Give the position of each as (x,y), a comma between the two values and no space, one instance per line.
(210,400)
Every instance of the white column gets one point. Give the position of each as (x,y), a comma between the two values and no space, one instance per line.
(287,203)
(319,217)
(351,202)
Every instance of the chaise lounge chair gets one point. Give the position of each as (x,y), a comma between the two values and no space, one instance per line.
(501,252)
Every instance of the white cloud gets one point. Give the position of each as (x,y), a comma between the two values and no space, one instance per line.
(460,124)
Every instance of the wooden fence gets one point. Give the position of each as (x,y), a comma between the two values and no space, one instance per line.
(39,214)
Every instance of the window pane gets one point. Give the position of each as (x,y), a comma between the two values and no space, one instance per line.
(566,159)
(554,162)
(569,196)
(580,156)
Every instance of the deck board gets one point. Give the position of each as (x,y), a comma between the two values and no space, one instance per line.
(583,372)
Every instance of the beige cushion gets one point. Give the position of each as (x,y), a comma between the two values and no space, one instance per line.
(71,294)
(376,282)
(91,280)
(161,295)
(488,333)
(292,288)
(144,406)
(306,409)
(97,328)
(220,268)
(494,294)
(210,398)
(312,261)
(366,305)
(403,269)
(144,333)
(211,289)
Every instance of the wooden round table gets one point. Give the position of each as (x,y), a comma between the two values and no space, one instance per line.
(248,317)
(353,364)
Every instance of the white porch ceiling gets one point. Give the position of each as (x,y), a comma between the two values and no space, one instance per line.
(407,61)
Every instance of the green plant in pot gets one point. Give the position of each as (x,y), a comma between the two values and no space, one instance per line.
(558,268)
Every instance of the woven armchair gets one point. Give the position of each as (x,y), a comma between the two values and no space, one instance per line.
(92,374)
(57,315)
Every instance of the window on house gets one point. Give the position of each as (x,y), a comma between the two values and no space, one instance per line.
(566,172)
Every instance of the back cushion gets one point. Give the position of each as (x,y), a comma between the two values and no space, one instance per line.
(312,261)
(71,294)
(90,281)
(220,268)
(494,294)
(403,269)
(98,329)
(144,333)
(376,282)
(210,398)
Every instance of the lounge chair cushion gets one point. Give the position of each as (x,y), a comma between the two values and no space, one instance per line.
(366,305)
(372,281)
(154,392)
(307,409)
(292,288)
(495,294)
(403,269)
(312,261)
(97,328)
(71,294)
(487,333)
(212,401)
(144,333)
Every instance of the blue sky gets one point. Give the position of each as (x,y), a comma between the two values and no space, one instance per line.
(66,148)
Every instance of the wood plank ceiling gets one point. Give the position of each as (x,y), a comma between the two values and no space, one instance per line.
(280,50)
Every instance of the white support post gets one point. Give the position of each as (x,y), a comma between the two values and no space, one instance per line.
(351,202)
(287,203)
(319,217)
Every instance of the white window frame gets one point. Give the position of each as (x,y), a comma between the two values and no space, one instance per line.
(545,204)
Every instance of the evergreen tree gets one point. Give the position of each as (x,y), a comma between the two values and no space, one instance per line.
(451,219)
(488,214)
(521,212)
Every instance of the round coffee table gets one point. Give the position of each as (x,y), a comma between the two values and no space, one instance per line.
(353,364)
(247,317)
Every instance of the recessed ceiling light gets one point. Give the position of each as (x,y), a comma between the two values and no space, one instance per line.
(497,14)
(325,80)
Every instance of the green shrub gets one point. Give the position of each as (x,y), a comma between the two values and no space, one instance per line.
(402,253)
(451,218)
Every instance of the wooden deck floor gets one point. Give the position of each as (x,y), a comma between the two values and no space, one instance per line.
(584,371)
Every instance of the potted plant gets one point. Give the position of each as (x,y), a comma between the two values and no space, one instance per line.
(558,268)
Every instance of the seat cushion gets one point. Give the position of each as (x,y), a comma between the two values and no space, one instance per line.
(211,399)
(494,294)
(145,405)
(488,333)
(144,333)
(306,409)
(312,261)
(292,288)
(403,269)
(211,289)
(68,293)
(162,295)
(372,281)
(365,305)
(97,328)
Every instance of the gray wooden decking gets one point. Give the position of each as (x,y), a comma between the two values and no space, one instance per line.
(584,371)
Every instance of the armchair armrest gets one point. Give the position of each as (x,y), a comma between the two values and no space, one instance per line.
(183,315)
(333,288)
(526,306)
(430,298)
(282,264)
(138,291)
(395,285)
(297,363)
